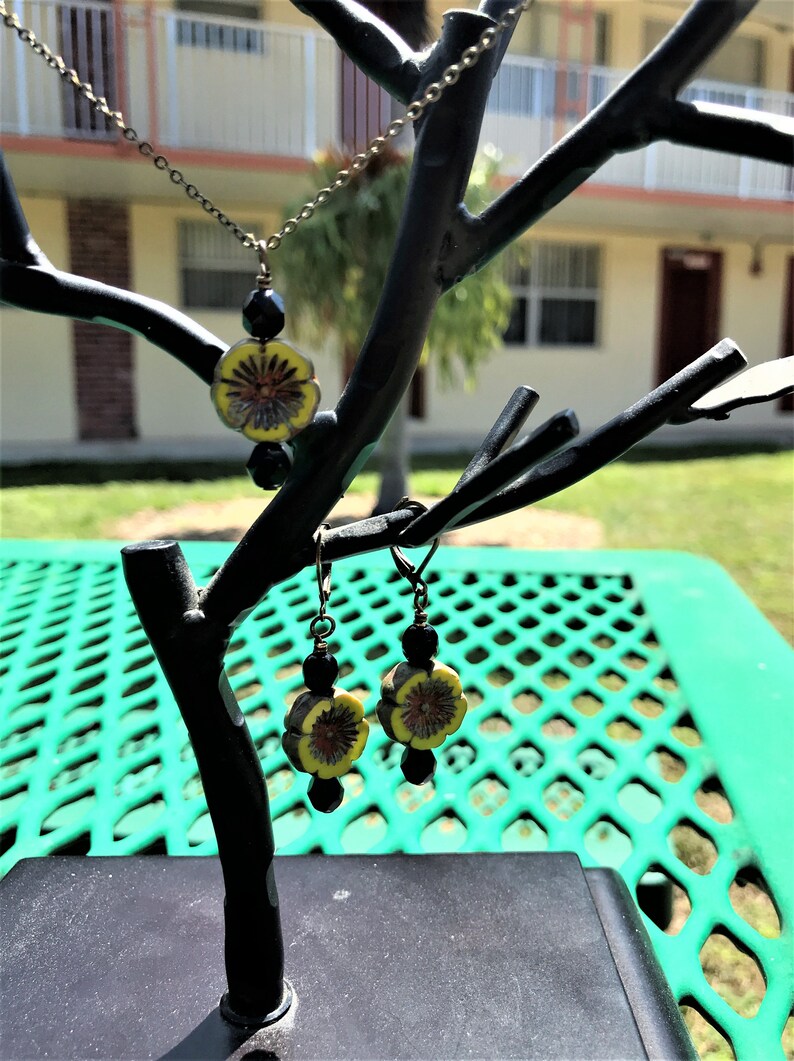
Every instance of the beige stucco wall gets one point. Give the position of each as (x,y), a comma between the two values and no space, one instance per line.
(173,407)
(37,402)
(599,382)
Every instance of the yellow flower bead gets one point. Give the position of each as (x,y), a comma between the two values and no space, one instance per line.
(325,734)
(421,708)
(266,391)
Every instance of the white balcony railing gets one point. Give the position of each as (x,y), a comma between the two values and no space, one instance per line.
(528,96)
(233,85)
(228,85)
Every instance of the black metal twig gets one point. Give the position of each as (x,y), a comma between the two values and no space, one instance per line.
(506,426)
(621,433)
(769,137)
(374,47)
(478,490)
(29,281)
(627,119)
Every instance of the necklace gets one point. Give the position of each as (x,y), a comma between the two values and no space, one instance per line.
(266,389)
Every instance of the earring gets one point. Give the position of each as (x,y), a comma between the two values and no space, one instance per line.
(325,728)
(422,701)
(266,390)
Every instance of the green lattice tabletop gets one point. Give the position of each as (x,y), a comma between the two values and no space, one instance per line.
(632,707)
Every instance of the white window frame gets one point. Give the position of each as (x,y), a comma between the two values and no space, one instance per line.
(207,249)
(533,291)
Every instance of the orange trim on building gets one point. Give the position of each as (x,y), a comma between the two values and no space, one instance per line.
(120,149)
(643,195)
(594,190)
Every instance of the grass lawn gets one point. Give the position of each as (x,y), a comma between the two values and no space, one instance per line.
(738,510)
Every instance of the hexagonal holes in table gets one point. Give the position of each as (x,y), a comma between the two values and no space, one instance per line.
(733,971)
(752,899)
(692,847)
(710,1039)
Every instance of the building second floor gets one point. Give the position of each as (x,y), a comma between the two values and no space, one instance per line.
(254,90)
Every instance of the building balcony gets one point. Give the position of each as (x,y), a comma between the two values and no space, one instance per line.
(232,87)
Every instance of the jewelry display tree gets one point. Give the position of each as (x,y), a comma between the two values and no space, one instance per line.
(190,627)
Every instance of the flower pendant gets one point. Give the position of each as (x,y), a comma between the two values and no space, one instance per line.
(325,734)
(421,706)
(266,391)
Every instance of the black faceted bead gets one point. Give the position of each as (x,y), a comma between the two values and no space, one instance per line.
(263,313)
(320,671)
(269,464)
(420,643)
(418,766)
(325,794)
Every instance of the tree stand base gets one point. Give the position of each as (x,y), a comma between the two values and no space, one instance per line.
(396,956)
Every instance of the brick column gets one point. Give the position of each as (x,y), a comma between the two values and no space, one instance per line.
(99,247)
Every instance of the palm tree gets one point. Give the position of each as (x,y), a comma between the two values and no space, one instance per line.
(333,269)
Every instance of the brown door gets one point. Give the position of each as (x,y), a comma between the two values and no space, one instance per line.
(690,310)
(787,349)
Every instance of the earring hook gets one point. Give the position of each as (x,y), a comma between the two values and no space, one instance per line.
(406,569)
(323,572)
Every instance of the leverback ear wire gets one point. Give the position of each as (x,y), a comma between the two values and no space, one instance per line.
(414,575)
(323,571)
(325,728)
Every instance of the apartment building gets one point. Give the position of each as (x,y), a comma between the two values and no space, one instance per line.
(658,255)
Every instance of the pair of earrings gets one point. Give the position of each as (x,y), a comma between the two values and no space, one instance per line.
(421,700)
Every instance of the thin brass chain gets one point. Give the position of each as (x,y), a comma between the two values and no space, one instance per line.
(470,56)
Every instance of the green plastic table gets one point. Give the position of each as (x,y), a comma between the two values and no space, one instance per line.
(633,707)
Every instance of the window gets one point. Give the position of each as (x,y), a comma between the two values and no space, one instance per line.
(556,289)
(540,33)
(219,33)
(216,272)
(739,61)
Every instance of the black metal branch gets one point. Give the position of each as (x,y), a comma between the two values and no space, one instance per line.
(327,460)
(507,425)
(16,242)
(190,650)
(624,121)
(374,47)
(617,436)
(478,490)
(769,137)
(29,281)
(67,295)
(690,43)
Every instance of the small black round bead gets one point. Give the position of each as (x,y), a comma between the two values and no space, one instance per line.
(325,794)
(420,643)
(320,671)
(418,766)
(269,464)
(263,313)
